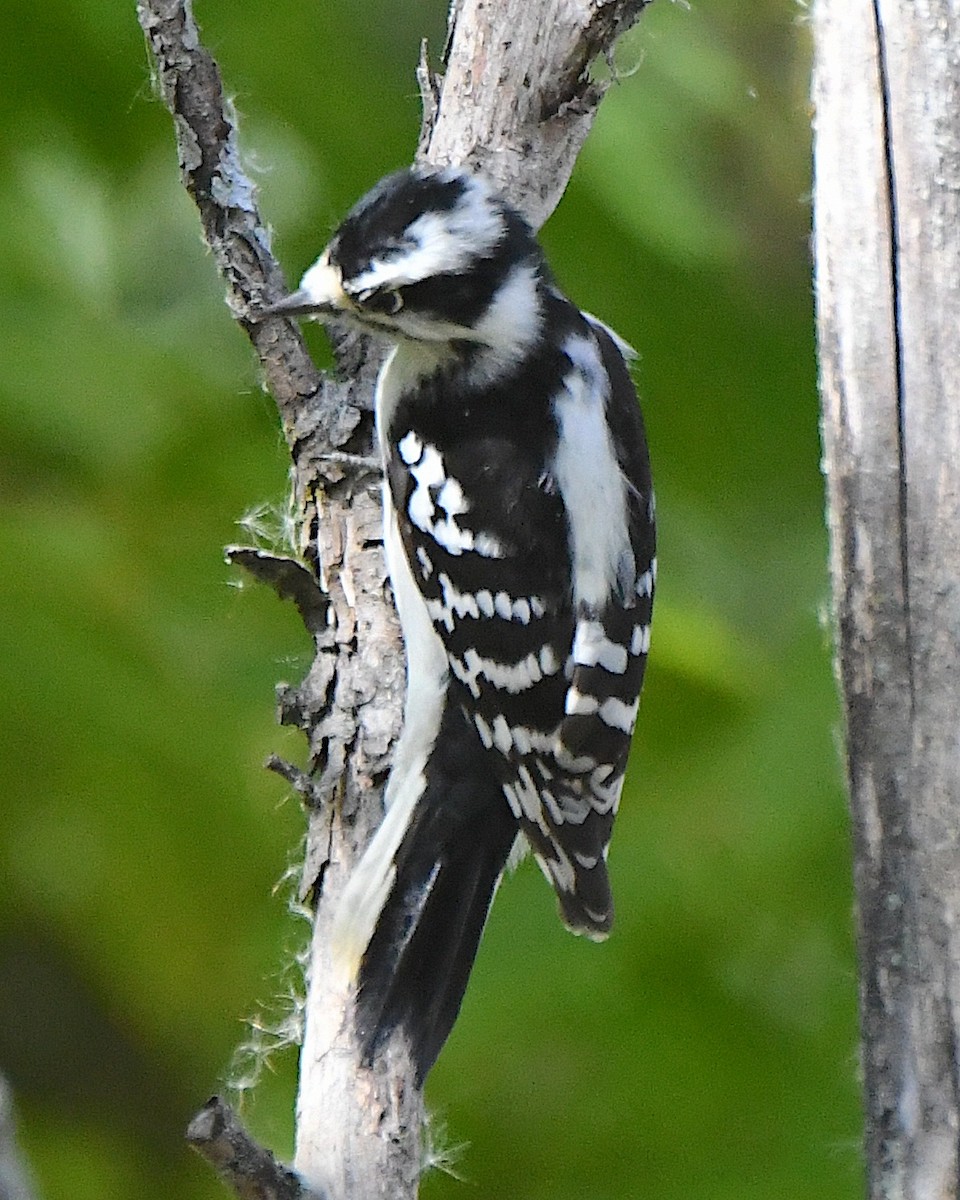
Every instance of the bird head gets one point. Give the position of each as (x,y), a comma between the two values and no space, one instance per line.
(428,256)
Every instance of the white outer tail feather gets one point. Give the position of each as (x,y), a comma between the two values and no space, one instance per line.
(368,887)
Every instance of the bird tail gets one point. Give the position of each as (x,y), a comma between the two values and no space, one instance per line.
(411,917)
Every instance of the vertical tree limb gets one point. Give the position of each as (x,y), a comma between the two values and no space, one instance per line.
(15,1181)
(517,100)
(518,97)
(887,240)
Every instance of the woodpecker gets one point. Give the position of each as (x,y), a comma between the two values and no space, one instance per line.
(520,541)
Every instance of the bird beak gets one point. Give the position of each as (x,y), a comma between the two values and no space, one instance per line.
(320,294)
(297,304)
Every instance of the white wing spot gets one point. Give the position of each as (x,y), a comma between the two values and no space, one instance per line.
(461,604)
(596,935)
(451,537)
(527,740)
(592,648)
(549,663)
(510,677)
(640,642)
(426,566)
(529,797)
(428,470)
(440,614)
(521,739)
(577,704)
(467,677)
(521,610)
(410,448)
(487,546)
(451,499)
(485,602)
(559,870)
(618,714)
(606,799)
(568,808)
(457,604)
(420,509)
(574,764)
(426,467)
(543,743)
(486,736)
(545,772)
(550,804)
(510,793)
(501,735)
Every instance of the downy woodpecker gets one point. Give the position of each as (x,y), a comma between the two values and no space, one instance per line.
(519,535)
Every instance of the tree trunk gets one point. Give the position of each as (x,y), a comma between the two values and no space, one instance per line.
(887,244)
(515,100)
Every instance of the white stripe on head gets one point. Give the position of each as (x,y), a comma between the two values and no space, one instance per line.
(441,242)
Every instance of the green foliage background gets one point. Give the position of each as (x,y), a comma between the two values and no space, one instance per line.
(709,1049)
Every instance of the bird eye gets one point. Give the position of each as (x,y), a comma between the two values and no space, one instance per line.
(384,302)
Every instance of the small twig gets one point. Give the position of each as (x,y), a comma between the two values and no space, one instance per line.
(298,779)
(246,1167)
(288,577)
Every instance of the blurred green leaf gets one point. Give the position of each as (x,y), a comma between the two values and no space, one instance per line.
(708,1049)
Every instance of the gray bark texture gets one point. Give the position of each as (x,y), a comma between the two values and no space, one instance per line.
(887,245)
(516,99)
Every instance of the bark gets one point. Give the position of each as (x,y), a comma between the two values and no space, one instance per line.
(516,99)
(252,1172)
(887,243)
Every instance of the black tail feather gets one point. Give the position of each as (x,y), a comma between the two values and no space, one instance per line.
(415,969)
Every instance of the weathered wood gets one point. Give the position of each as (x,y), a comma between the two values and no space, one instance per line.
(887,245)
(252,1172)
(517,97)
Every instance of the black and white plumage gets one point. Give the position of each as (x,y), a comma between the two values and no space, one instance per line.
(519,531)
